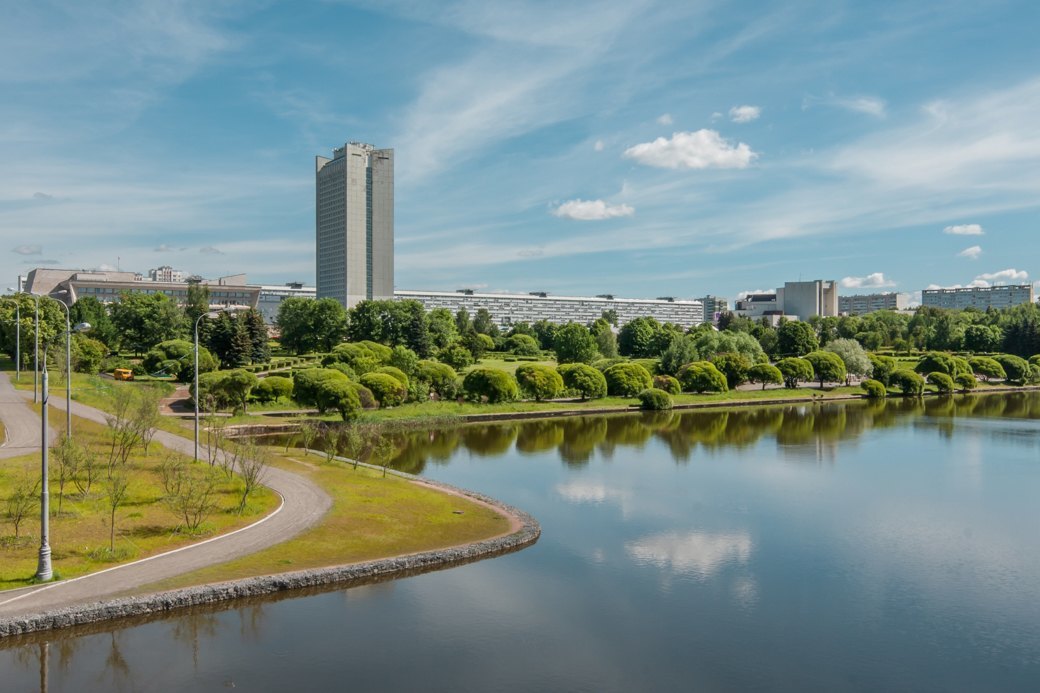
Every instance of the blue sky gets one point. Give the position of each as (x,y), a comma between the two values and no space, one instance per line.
(637,148)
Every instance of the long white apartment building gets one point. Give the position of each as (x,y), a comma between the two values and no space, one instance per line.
(508,309)
(981,297)
(861,304)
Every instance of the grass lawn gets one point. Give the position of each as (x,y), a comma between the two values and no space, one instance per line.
(503,365)
(79,534)
(371,517)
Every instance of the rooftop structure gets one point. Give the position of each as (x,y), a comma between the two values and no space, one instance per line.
(69,286)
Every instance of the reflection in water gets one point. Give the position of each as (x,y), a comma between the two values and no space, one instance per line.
(696,554)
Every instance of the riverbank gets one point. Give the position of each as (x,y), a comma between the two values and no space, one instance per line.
(523,531)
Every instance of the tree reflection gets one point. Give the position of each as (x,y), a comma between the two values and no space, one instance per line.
(489,441)
(581,436)
(539,436)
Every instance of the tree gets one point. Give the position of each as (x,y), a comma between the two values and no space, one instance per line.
(588,382)
(252,467)
(943,383)
(606,343)
(852,355)
(272,388)
(490,384)
(652,399)
(293,323)
(935,362)
(188,492)
(256,331)
(21,502)
(309,325)
(455,356)
(484,323)
(795,338)
(702,376)
(795,370)
(116,490)
(237,385)
(734,366)
(627,379)
(882,368)
(462,321)
(982,338)
(176,357)
(639,338)
(1016,368)
(441,325)
(87,354)
(574,344)
(441,378)
(144,320)
(987,368)
(388,390)
(708,343)
(828,367)
(545,333)
(229,341)
(125,427)
(328,323)
(197,301)
(417,336)
(681,351)
(306,385)
(90,310)
(522,345)
(766,374)
(538,381)
(909,382)
(68,454)
(873,389)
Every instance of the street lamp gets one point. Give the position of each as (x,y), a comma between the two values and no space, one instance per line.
(207,314)
(43,565)
(80,327)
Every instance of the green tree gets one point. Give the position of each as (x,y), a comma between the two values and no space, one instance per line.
(455,355)
(873,389)
(734,366)
(680,352)
(1016,367)
(228,340)
(627,379)
(90,310)
(545,333)
(87,354)
(702,376)
(237,385)
(490,384)
(522,345)
(882,368)
(328,323)
(987,368)
(852,355)
(463,323)
(441,325)
(538,381)
(417,335)
(256,331)
(795,338)
(588,382)
(942,382)
(795,370)
(144,320)
(340,395)
(484,323)
(197,302)
(387,389)
(766,374)
(909,382)
(828,367)
(574,344)
(293,323)
(639,338)
(441,378)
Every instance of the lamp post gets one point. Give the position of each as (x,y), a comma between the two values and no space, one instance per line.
(80,327)
(43,565)
(195,397)
(36,351)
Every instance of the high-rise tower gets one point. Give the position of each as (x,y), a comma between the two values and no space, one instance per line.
(354,229)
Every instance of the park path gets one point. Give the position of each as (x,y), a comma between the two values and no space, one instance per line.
(304,503)
(21,423)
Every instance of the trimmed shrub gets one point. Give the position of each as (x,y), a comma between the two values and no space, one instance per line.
(987,368)
(603,364)
(652,366)
(795,370)
(653,399)
(340,395)
(344,369)
(627,379)
(828,366)
(1016,367)
(305,385)
(272,388)
(388,390)
(874,389)
(394,372)
(490,384)
(965,381)
(908,382)
(522,345)
(404,359)
(702,376)
(942,382)
(939,362)
(587,381)
(734,366)
(538,381)
(441,378)
(368,400)
(882,367)
(765,373)
(456,356)
(668,384)
(381,351)
(176,357)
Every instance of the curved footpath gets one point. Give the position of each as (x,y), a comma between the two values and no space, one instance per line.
(22,434)
(92,598)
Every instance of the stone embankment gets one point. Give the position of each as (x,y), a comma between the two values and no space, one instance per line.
(526,532)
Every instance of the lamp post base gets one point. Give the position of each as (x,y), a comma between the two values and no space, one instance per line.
(43,566)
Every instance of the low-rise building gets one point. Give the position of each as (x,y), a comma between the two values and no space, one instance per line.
(861,304)
(69,286)
(981,297)
(271,298)
(508,309)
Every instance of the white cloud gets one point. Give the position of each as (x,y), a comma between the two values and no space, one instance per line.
(744,114)
(701,149)
(27,249)
(592,210)
(971,253)
(964,230)
(1002,277)
(598,146)
(875,280)
(700,554)
(210,250)
(744,294)
(863,104)
(665,119)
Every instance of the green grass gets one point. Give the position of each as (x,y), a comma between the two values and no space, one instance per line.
(79,534)
(371,517)
(502,365)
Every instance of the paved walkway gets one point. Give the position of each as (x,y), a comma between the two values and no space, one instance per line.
(303,505)
(22,424)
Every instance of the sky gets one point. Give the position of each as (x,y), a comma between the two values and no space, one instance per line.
(636,148)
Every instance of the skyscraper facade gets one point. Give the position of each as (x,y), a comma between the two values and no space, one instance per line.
(354,226)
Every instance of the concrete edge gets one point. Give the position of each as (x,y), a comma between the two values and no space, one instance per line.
(353,574)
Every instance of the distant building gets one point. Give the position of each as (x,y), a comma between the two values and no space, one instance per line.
(354,224)
(713,307)
(271,298)
(861,304)
(795,300)
(165,274)
(978,296)
(509,309)
(69,286)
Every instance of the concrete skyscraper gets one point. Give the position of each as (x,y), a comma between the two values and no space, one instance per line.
(354,229)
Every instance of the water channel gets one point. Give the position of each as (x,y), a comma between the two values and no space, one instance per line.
(862,546)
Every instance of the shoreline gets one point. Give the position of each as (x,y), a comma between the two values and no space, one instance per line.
(524,532)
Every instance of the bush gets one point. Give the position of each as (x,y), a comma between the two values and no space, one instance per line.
(702,376)
(795,370)
(652,366)
(345,370)
(176,357)
(490,384)
(882,368)
(1016,367)
(388,390)
(456,356)
(365,396)
(654,400)
(668,384)
(404,359)
(936,362)
(874,389)
(441,378)
(305,384)
(965,381)
(272,388)
(734,366)
(340,395)
(766,374)
(538,381)
(828,366)
(627,379)
(987,368)
(942,382)
(587,381)
(87,354)
(382,352)
(395,373)
(522,345)
(908,382)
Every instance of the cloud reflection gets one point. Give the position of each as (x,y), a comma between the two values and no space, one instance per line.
(700,554)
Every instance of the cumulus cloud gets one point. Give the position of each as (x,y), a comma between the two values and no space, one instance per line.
(744,294)
(875,280)
(964,230)
(1002,277)
(971,253)
(665,119)
(598,146)
(592,210)
(27,249)
(210,250)
(701,149)
(744,114)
